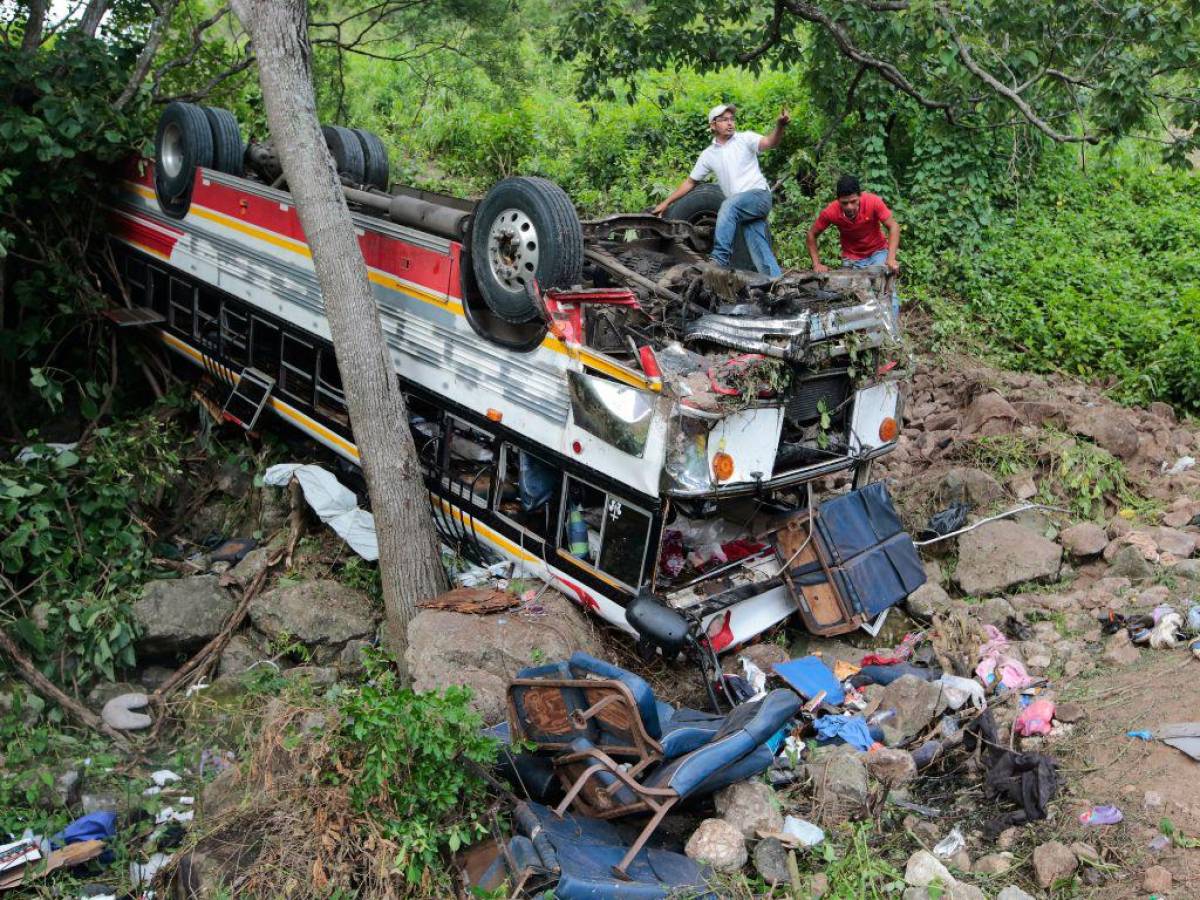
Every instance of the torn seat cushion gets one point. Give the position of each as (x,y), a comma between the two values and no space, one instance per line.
(544,713)
(856,521)
(582,666)
(880,577)
(527,772)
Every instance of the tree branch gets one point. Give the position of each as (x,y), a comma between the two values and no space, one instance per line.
(1008,93)
(34,25)
(141,68)
(92,15)
(774,35)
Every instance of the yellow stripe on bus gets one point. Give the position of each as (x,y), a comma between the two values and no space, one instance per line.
(586,357)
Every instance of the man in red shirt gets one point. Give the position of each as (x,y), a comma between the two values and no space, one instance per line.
(860,217)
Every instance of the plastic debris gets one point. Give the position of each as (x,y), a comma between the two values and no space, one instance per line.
(1140,735)
(803,832)
(1159,843)
(950,844)
(848,729)
(996,665)
(1193,617)
(959,690)
(163,777)
(1036,718)
(1182,465)
(170,814)
(808,676)
(1101,815)
(949,519)
(755,676)
(142,874)
(334,503)
(1163,635)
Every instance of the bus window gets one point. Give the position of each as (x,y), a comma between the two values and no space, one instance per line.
(298,368)
(159,292)
(135,277)
(264,346)
(471,460)
(235,333)
(605,531)
(183,301)
(208,312)
(331,400)
(528,488)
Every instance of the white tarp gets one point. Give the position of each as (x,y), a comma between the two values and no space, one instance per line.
(333,502)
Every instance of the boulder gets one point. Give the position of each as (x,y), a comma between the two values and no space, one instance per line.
(1129,562)
(485,652)
(771,861)
(350,660)
(750,807)
(841,784)
(1001,554)
(1108,427)
(250,566)
(924,869)
(1085,539)
(966,485)
(320,613)
(989,414)
(1187,568)
(993,864)
(1120,651)
(1012,892)
(1053,860)
(719,844)
(313,676)
(891,766)
(242,652)
(916,702)
(180,615)
(222,794)
(1180,544)
(929,598)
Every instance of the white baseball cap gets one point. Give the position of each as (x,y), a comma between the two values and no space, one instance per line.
(720,110)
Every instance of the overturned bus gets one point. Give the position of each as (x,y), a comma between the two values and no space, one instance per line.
(591,399)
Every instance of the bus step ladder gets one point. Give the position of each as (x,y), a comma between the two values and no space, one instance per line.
(248,398)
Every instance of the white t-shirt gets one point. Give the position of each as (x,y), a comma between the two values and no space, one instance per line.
(735,163)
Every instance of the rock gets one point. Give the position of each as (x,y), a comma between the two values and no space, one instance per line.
(1187,568)
(251,565)
(180,615)
(1163,410)
(750,807)
(891,766)
(1012,892)
(1008,838)
(1120,650)
(818,885)
(1022,487)
(719,844)
(929,598)
(1084,539)
(1157,880)
(1153,802)
(1000,554)
(242,652)
(961,861)
(119,712)
(994,611)
(222,794)
(993,864)
(102,802)
(48,788)
(916,703)
(1109,428)
(989,414)
(841,784)
(485,652)
(1053,860)
(315,613)
(1180,544)
(965,485)
(1070,712)
(1128,562)
(1085,853)
(771,861)
(313,676)
(350,660)
(104,691)
(924,869)
(68,785)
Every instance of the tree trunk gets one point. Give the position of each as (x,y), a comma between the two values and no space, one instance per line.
(34,26)
(92,15)
(409,560)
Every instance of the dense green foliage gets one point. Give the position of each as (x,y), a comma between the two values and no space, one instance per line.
(74,545)
(410,753)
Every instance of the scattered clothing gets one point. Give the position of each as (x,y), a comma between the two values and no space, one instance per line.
(997,666)
(850,730)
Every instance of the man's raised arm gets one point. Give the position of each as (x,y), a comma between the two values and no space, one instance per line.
(771,141)
(684,186)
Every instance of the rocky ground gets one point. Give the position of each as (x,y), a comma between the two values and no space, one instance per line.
(1113,532)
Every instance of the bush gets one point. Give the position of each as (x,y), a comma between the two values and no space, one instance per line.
(410,754)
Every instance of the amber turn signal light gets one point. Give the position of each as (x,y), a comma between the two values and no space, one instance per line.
(722,466)
(888,430)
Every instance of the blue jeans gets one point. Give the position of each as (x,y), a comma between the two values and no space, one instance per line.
(748,211)
(878,258)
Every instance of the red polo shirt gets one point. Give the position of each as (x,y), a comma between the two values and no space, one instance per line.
(864,235)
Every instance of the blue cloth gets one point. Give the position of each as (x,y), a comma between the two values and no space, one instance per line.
(747,211)
(846,729)
(878,258)
(97,826)
(808,676)
(885,675)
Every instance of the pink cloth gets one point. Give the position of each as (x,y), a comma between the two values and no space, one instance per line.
(1036,718)
(996,664)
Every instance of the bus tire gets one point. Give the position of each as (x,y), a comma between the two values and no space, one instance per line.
(347,152)
(375,159)
(228,149)
(699,207)
(524,231)
(183,142)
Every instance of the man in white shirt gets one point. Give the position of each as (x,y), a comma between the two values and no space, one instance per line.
(733,158)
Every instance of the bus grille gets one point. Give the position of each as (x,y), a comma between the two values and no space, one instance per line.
(804,399)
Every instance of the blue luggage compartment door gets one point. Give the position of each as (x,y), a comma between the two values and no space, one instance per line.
(880,577)
(855,522)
